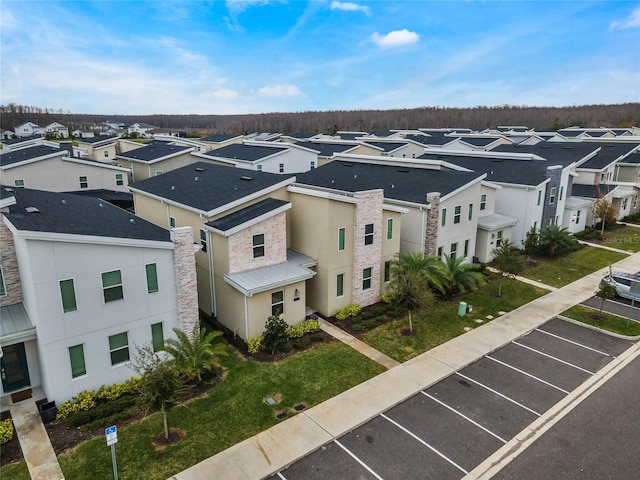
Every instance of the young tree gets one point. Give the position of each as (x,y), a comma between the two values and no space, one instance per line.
(459,276)
(508,260)
(197,355)
(604,210)
(410,286)
(554,238)
(531,241)
(162,385)
(275,333)
(605,291)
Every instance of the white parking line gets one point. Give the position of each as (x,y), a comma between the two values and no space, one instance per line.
(281,476)
(552,357)
(359,461)
(463,416)
(527,374)
(425,444)
(571,341)
(499,394)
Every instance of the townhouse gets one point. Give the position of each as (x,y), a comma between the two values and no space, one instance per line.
(101,148)
(154,158)
(57,130)
(28,129)
(82,284)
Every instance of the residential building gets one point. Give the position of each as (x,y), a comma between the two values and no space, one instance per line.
(155,158)
(28,129)
(101,148)
(57,130)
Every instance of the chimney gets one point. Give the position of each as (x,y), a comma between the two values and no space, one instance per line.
(184,266)
(433,217)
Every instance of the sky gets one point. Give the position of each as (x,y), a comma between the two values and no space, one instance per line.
(255,56)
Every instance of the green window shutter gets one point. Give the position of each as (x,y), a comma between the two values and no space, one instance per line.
(389,228)
(443,220)
(152,277)
(470,211)
(341,238)
(340,285)
(157,337)
(76,357)
(119,348)
(68,294)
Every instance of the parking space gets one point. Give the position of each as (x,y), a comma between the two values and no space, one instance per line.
(617,306)
(449,428)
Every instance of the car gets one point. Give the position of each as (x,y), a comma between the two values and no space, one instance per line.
(627,285)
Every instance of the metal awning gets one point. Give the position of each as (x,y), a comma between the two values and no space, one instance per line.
(262,279)
(496,222)
(15,325)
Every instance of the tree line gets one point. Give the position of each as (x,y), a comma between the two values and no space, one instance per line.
(539,118)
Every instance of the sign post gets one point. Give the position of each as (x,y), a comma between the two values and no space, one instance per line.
(112,438)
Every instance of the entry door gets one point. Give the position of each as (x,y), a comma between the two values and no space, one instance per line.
(15,374)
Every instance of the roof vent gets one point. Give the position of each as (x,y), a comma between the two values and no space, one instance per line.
(403,170)
(347,164)
(10,190)
(196,179)
(132,220)
(32,210)
(199,169)
(173,187)
(64,202)
(244,177)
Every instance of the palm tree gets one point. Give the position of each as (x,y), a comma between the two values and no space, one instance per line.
(431,268)
(459,276)
(554,238)
(197,355)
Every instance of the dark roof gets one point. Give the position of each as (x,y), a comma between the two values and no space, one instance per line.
(153,151)
(438,140)
(218,137)
(249,153)
(67,213)
(350,136)
(326,149)
(29,153)
(608,153)
(424,139)
(590,191)
(97,139)
(246,214)
(301,135)
(387,146)
(633,159)
(106,195)
(557,153)
(15,141)
(399,183)
(478,141)
(207,186)
(570,133)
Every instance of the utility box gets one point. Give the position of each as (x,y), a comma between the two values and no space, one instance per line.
(462,309)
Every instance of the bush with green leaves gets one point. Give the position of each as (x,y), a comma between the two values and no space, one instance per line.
(349,311)
(100,412)
(85,400)
(255,344)
(117,390)
(275,336)
(307,326)
(6,431)
(387,298)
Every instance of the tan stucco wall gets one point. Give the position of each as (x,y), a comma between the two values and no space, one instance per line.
(142,171)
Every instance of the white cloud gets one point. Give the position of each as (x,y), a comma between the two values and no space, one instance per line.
(236,7)
(632,21)
(223,94)
(396,38)
(349,7)
(279,91)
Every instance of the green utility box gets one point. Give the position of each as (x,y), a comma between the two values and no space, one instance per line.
(462,309)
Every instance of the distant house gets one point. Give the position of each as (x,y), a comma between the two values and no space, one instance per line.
(141,130)
(83,134)
(21,142)
(28,129)
(155,158)
(57,130)
(84,283)
(101,148)
(6,134)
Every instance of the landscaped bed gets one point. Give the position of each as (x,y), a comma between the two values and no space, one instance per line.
(603,320)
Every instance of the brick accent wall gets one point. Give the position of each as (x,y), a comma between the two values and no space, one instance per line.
(368,210)
(431,230)
(275,245)
(184,265)
(10,272)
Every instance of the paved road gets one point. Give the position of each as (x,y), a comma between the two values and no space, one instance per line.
(618,306)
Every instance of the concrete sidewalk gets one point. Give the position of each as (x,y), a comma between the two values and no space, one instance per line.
(274,449)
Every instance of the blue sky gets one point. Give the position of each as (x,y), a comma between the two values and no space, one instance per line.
(254,56)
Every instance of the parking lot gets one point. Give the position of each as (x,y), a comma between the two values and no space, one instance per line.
(447,429)
(618,306)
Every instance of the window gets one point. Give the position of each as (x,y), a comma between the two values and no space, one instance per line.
(3,289)
(561,192)
(172,222)
(470,217)
(443,217)
(258,245)
(439,253)
(84,182)
(535,225)
(158,172)
(635,202)
(68,294)
(549,221)
(119,179)
(106,154)
(281,167)
(366,278)
(203,240)
(539,196)
(456,213)
(119,348)
(387,271)
(552,196)
(466,248)
(609,176)
(389,228)
(557,220)
(602,178)
(152,277)
(277,302)
(259,168)
(340,285)
(19,183)
(341,238)
(112,286)
(483,201)
(157,337)
(625,202)
(312,165)
(368,234)
(454,250)
(76,358)
(578,216)
(499,238)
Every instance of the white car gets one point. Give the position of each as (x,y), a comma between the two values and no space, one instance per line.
(627,284)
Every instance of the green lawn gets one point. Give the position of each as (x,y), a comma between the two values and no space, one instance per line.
(442,322)
(623,238)
(612,323)
(16,471)
(561,271)
(230,413)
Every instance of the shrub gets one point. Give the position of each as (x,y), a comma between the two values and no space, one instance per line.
(274,336)
(369,323)
(308,326)
(301,343)
(350,311)
(394,313)
(6,431)
(254,345)
(83,401)
(367,315)
(358,327)
(316,337)
(117,390)
(380,311)
(285,347)
(387,298)
(100,412)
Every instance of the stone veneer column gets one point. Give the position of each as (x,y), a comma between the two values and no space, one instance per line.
(184,266)
(433,219)
(368,210)
(10,272)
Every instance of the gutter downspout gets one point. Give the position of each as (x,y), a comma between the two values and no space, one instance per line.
(246,318)
(212,276)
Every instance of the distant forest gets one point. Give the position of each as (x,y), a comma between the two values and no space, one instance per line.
(538,118)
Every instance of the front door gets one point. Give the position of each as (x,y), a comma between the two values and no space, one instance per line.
(15,373)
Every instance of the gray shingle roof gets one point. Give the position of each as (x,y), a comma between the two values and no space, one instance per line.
(387,146)
(246,214)
(249,153)
(206,186)
(98,139)
(29,153)
(66,213)
(590,191)
(220,137)
(399,183)
(326,149)
(154,151)
(18,140)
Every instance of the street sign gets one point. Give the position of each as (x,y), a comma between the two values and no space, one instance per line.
(112,435)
